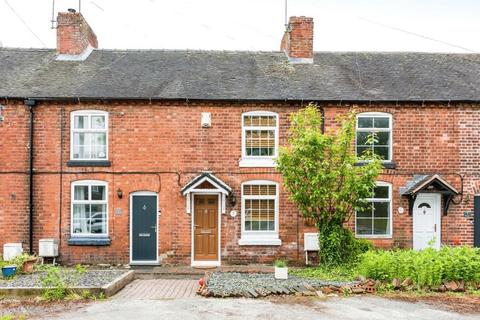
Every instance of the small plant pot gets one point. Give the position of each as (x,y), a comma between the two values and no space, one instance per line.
(281,273)
(9,271)
(27,266)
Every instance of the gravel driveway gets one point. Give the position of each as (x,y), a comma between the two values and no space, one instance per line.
(358,308)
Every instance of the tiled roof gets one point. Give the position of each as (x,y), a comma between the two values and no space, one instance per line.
(240,75)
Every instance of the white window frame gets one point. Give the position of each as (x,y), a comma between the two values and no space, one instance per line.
(259,161)
(270,238)
(89,114)
(390,213)
(88,183)
(390,130)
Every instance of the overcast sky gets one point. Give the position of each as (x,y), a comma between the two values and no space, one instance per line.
(340,25)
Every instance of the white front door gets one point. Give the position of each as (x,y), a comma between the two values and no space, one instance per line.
(426,221)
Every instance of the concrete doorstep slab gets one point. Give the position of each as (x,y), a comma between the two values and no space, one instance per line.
(108,290)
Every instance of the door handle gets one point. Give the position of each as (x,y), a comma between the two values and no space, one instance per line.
(154,228)
(435,227)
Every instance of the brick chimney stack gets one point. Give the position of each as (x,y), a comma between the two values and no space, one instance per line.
(74,35)
(297,42)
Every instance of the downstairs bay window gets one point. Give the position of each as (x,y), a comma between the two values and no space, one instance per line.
(259,213)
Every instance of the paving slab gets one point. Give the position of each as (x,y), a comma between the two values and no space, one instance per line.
(153,289)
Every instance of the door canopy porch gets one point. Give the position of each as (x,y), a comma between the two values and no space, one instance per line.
(206,183)
(428,184)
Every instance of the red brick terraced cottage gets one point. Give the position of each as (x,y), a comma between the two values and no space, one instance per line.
(167,156)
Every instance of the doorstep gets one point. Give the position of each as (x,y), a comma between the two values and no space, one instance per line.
(187,272)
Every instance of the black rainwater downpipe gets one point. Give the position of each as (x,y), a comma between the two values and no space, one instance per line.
(30,103)
(476,221)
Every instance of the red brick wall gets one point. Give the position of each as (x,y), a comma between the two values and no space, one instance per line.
(167,140)
(13,179)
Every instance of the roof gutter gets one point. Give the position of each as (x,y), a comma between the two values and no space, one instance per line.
(327,100)
(30,103)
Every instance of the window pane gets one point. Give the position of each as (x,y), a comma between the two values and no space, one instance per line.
(383,152)
(361,150)
(381,227)
(381,209)
(366,212)
(365,122)
(381,122)
(98,145)
(383,138)
(260,142)
(362,138)
(98,193)
(260,121)
(260,215)
(364,226)
(79,146)
(80,122)
(80,193)
(259,189)
(81,218)
(98,218)
(381,192)
(98,122)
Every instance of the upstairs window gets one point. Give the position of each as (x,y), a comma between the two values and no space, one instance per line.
(89,208)
(259,139)
(89,135)
(378,126)
(375,219)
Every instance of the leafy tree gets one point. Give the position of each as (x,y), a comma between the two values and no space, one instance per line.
(321,172)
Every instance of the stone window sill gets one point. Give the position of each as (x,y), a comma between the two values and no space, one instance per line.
(257,163)
(373,237)
(89,163)
(259,241)
(386,165)
(86,241)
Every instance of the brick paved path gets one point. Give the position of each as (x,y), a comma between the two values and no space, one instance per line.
(159,289)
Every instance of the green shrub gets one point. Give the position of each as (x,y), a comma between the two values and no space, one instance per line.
(339,246)
(279,263)
(54,284)
(80,269)
(331,273)
(427,267)
(20,260)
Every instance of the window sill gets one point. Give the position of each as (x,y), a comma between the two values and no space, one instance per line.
(89,163)
(86,241)
(386,165)
(373,237)
(259,241)
(257,163)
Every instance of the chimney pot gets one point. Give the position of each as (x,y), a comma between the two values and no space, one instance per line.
(74,35)
(297,41)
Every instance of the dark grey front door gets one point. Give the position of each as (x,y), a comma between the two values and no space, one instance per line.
(144,228)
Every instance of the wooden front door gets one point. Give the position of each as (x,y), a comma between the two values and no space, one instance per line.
(205,228)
